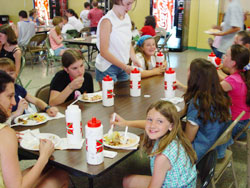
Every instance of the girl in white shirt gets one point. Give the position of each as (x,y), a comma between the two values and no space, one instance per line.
(73,19)
(145,53)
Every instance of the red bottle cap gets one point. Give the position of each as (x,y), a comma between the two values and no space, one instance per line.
(160,54)
(135,71)
(94,122)
(107,78)
(217,61)
(211,54)
(170,71)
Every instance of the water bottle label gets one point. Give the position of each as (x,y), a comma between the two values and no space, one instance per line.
(109,93)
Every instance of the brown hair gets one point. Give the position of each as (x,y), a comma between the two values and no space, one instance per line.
(7,64)
(168,110)
(57,20)
(70,56)
(245,37)
(9,32)
(119,2)
(240,55)
(205,90)
(138,49)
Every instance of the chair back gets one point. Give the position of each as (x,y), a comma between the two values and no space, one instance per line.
(206,168)
(85,29)
(73,33)
(43,93)
(36,40)
(227,134)
(18,79)
(242,131)
(157,38)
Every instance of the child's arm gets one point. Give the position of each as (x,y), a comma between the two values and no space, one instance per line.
(52,111)
(226,86)
(161,166)
(119,121)
(133,57)
(58,40)
(22,105)
(180,86)
(105,30)
(191,131)
(153,72)
(57,97)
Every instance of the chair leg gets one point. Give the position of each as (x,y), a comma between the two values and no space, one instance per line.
(234,174)
(213,183)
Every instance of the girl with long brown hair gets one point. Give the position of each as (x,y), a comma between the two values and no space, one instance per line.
(237,84)
(172,158)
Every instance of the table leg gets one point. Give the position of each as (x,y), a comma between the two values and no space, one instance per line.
(248,158)
(91,182)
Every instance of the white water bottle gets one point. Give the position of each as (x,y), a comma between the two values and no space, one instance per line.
(135,83)
(94,141)
(169,80)
(217,62)
(211,57)
(74,124)
(159,59)
(107,91)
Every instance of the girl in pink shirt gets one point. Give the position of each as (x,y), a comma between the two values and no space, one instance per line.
(237,84)
(55,36)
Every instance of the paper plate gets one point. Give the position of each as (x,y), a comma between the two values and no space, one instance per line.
(32,143)
(133,140)
(29,120)
(91,97)
(212,31)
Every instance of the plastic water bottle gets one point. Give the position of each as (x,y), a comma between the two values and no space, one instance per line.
(159,59)
(107,91)
(211,57)
(169,80)
(94,141)
(74,124)
(135,83)
(217,62)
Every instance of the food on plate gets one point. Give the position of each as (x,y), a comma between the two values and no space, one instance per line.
(23,121)
(96,97)
(37,117)
(213,31)
(116,140)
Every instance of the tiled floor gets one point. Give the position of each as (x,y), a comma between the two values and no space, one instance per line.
(134,164)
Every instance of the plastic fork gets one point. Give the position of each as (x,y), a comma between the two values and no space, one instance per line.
(112,126)
(125,138)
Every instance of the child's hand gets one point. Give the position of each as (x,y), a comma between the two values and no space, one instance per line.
(136,63)
(22,105)
(19,136)
(159,70)
(52,111)
(118,121)
(180,86)
(46,148)
(128,69)
(76,83)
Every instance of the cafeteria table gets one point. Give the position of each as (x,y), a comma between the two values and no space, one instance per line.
(133,108)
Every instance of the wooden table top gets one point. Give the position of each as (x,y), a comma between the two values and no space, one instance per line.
(133,108)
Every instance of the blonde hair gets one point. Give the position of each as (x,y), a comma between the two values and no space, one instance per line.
(7,64)
(168,110)
(57,20)
(138,49)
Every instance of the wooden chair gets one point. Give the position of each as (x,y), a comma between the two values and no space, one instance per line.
(157,38)
(43,93)
(35,46)
(221,164)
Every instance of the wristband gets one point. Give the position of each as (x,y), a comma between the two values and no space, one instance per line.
(46,108)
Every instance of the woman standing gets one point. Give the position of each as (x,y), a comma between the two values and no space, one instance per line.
(114,43)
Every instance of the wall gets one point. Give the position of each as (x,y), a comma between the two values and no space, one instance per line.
(12,8)
(203,15)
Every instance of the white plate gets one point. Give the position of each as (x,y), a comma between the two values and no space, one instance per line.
(30,122)
(134,137)
(212,31)
(32,143)
(89,97)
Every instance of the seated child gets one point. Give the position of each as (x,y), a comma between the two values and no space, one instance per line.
(172,158)
(72,81)
(145,53)
(55,36)
(21,96)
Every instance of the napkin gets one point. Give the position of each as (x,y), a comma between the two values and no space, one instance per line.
(174,100)
(63,144)
(58,116)
(109,154)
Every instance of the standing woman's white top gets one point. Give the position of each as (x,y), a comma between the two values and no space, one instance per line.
(114,38)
